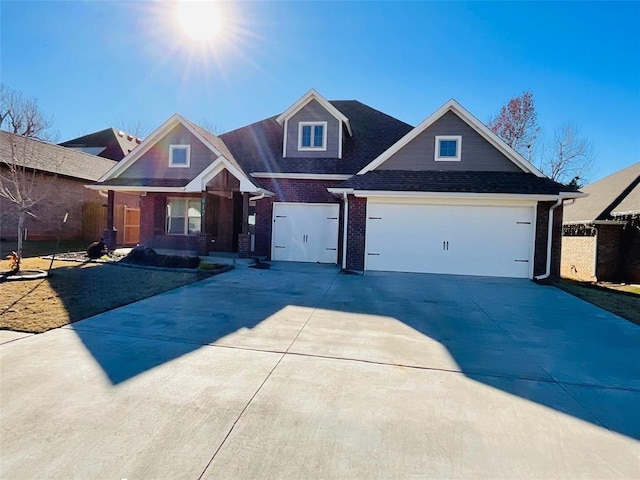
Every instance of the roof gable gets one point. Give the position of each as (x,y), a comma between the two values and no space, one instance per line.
(618,193)
(258,147)
(453,106)
(209,140)
(304,100)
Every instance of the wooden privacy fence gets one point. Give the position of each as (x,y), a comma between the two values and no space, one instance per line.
(125,219)
(94,220)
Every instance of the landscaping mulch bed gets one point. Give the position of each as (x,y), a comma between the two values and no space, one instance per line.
(77,289)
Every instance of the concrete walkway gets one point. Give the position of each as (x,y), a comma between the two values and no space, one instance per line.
(303,372)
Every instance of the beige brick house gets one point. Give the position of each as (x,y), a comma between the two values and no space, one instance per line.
(601,233)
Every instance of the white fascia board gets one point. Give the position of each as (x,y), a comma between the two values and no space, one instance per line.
(135,189)
(187,124)
(303,176)
(466,116)
(514,196)
(340,191)
(306,98)
(609,222)
(199,183)
(266,193)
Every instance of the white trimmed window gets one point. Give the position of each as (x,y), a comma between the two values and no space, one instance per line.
(312,136)
(184,216)
(179,156)
(448,148)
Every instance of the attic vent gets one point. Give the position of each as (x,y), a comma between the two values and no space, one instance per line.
(130,137)
(120,133)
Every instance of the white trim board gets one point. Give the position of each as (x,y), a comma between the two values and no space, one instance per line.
(473,122)
(303,176)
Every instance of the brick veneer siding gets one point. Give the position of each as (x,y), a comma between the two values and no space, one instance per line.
(542,224)
(631,249)
(152,224)
(356,232)
(608,252)
(578,257)
(63,195)
(288,190)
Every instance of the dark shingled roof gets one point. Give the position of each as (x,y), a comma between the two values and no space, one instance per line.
(146,182)
(457,182)
(258,147)
(47,157)
(117,144)
(618,193)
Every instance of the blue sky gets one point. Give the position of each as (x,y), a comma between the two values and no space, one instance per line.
(95,64)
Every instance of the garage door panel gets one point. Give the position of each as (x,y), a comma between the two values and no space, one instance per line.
(305,232)
(465,240)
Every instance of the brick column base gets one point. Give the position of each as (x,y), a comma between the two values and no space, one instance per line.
(204,241)
(244,245)
(110,238)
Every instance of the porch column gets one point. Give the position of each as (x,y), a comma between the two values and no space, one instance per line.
(204,237)
(109,234)
(244,237)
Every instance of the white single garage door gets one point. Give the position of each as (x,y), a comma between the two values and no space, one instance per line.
(453,239)
(305,232)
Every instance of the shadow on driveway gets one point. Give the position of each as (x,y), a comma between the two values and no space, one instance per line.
(513,335)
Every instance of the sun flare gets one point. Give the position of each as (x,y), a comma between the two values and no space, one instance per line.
(200,20)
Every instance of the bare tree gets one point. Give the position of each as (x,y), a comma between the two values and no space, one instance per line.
(517,124)
(22,115)
(569,158)
(19,181)
(210,126)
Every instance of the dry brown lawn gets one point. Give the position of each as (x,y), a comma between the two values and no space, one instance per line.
(626,305)
(75,291)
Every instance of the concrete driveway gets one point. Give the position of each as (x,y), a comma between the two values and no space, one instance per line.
(303,372)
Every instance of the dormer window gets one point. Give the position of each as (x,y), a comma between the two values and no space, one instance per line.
(179,156)
(312,136)
(448,148)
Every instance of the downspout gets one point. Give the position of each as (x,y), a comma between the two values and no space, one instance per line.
(344,230)
(547,272)
(257,197)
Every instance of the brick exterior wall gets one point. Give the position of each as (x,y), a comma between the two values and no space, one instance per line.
(63,195)
(613,255)
(540,254)
(578,258)
(356,232)
(288,190)
(631,249)
(152,224)
(608,253)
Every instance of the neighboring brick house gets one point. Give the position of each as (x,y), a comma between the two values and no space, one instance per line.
(340,182)
(59,175)
(601,233)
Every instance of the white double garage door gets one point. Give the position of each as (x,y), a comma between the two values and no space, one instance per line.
(481,238)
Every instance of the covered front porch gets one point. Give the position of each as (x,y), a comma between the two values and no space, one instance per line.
(210,215)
